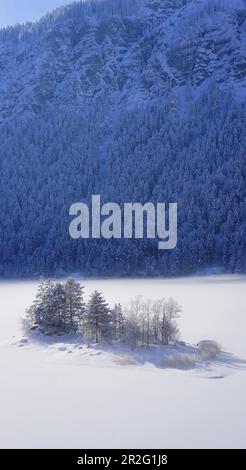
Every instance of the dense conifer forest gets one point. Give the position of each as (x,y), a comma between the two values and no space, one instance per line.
(105,98)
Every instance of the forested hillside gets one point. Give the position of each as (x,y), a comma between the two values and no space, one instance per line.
(136,100)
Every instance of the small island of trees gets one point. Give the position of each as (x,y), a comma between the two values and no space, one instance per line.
(60,309)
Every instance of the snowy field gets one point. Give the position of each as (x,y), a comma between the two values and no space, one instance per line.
(65,395)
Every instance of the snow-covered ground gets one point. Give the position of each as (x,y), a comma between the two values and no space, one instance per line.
(67,395)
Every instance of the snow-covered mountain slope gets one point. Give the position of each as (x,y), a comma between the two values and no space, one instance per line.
(121,51)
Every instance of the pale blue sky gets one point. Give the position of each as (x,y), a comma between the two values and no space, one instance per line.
(20,11)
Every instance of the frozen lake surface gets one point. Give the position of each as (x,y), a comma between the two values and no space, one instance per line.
(61,396)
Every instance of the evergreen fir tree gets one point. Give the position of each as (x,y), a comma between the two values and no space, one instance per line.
(75,305)
(58,308)
(117,321)
(97,318)
(48,311)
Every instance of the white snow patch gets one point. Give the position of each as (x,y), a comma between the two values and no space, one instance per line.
(97,397)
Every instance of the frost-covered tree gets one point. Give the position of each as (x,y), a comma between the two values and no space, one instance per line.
(166,312)
(97,317)
(57,309)
(146,322)
(48,311)
(132,332)
(149,322)
(75,305)
(41,308)
(117,322)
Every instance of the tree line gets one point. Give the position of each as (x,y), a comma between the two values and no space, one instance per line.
(60,308)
